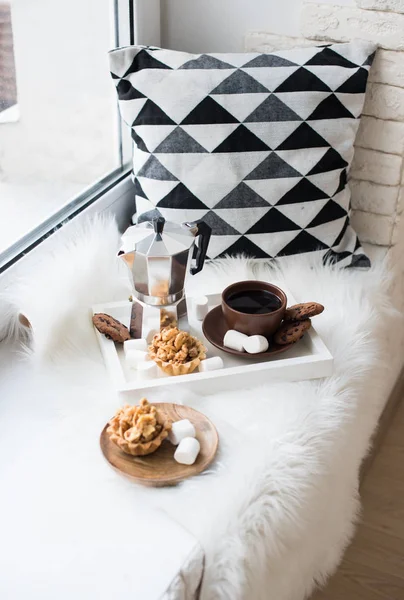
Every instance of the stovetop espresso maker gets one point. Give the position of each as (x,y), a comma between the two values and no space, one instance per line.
(159,254)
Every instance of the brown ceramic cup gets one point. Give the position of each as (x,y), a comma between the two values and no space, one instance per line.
(253,324)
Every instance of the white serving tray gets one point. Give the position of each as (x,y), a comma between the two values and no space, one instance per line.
(308,359)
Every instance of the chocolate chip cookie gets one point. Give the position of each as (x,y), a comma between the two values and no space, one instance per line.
(111,328)
(300,312)
(290,333)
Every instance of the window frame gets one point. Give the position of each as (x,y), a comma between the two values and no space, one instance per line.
(117,202)
(133,21)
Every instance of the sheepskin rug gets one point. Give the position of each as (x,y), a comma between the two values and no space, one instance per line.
(278,507)
(276,519)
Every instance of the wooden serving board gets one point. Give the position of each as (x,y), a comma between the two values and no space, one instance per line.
(160,468)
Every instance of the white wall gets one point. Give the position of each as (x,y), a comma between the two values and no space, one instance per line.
(220,25)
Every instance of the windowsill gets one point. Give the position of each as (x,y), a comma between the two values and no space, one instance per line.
(115,194)
(118,201)
(28,204)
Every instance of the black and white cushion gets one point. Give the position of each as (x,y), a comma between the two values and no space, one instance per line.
(258,145)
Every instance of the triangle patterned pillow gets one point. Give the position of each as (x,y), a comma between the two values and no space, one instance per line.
(256,145)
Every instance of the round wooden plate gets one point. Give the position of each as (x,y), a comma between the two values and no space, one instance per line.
(214,328)
(160,468)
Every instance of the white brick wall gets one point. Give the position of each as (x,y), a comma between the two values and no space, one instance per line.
(388,67)
(389,5)
(344,23)
(263,41)
(379,167)
(385,101)
(372,197)
(377,172)
(397,232)
(377,134)
(400,202)
(373,229)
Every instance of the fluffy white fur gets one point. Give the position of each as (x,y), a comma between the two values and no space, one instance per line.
(284,506)
(277,509)
(56,293)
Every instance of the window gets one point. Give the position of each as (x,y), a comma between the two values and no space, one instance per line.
(61,142)
(8,87)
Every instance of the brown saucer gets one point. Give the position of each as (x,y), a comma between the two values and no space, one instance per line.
(160,468)
(214,328)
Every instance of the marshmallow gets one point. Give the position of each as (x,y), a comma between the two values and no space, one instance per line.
(235,340)
(134,357)
(139,344)
(210,364)
(180,430)
(148,332)
(147,370)
(255,344)
(201,307)
(187,451)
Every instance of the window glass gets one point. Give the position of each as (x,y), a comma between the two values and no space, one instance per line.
(59,131)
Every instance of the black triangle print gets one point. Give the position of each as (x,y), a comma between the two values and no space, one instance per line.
(360,261)
(205,61)
(114,76)
(330,108)
(151,114)
(269,60)
(303,137)
(304,191)
(273,221)
(242,140)
(340,236)
(208,112)
(328,57)
(138,141)
(370,59)
(331,257)
(149,215)
(342,182)
(239,82)
(126,91)
(181,197)
(330,212)
(355,84)
(304,242)
(273,167)
(153,169)
(138,189)
(244,246)
(331,161)
(357,244)
(303,81)
(218,226)
(143,60)
(179,142)
(242,197)
(272,109)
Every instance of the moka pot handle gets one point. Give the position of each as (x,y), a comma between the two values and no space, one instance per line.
(202,231)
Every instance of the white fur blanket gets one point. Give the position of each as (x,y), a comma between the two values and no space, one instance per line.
(277,509)
(278,516)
